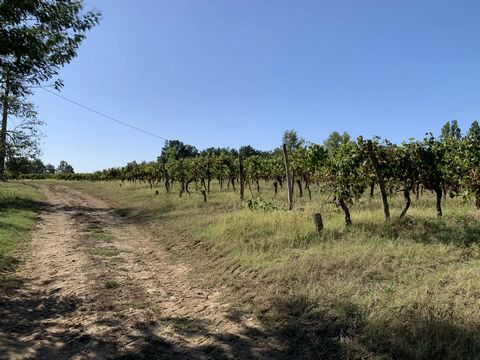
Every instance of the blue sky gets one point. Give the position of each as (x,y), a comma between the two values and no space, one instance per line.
(236,72)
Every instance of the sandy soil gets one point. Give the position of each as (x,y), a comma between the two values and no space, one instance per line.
(95,287)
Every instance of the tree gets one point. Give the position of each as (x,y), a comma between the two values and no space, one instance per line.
(474,131)
(451,130)
(335,140)
(455,130)
(176,149)
(37,166)
(292,140)
(37,38)
(23,139)
(247,151)
(49,169)
(19,165)
(65,168)
(23,165)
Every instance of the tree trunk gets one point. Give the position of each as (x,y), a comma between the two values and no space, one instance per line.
(318,221)
(372,189)
(289,180)
(343,205)
(381,183)
(406,194)
(258,185)
(292,183)
(439,193)
(300,189)
(280,182)
(275,186)
(242,179)
(477,201)
(250,188)
(307,186)
(3,134)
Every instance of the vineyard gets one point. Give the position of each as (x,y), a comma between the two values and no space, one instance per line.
(376,289)
(358,288)
(345,169)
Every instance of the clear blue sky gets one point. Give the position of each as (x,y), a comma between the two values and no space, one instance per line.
(236,72)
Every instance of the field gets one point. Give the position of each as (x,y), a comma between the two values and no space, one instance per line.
(375,290)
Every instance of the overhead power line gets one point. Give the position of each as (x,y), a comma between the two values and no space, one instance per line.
(104,115)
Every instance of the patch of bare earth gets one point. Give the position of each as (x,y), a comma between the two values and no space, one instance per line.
(96,287)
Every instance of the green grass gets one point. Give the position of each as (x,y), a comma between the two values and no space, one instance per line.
(102,251)
(111,284)
(100,236)
(396,290)
(18,203)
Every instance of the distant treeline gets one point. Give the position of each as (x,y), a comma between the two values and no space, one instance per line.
(23,167)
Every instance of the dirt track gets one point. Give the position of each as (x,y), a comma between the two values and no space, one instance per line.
(96,287)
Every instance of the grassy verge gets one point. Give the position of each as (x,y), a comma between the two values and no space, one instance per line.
(18,203)
(398,290)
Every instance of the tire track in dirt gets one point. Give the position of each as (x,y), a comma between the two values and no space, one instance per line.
(96,287)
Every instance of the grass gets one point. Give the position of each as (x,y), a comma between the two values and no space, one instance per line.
(111,284)
(18,203)
(115,260)
(139,304)
(396,290)
(102,251)
(101,236)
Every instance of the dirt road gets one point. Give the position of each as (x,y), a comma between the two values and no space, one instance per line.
(95,287)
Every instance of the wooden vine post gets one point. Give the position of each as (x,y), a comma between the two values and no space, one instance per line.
(182,178)
(318,221)
(289,179)
(242,178)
